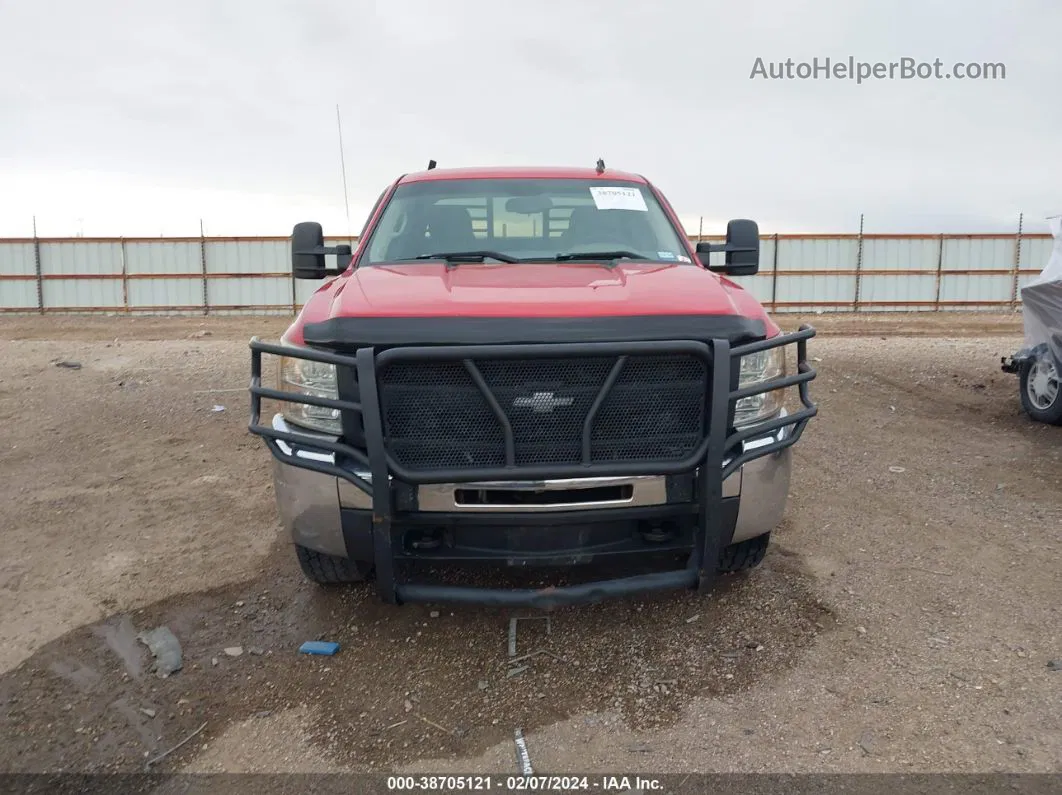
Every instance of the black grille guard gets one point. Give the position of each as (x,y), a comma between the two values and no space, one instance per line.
(719,454)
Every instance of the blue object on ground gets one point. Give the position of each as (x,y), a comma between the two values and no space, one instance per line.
(326,647)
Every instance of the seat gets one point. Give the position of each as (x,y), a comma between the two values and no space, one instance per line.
(608,229)
(587,226)
(440,229)
(450,229)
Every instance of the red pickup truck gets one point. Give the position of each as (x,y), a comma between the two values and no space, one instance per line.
(530,367)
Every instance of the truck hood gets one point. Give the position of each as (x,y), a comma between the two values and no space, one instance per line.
(428,289)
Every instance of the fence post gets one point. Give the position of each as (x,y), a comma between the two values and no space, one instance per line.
(940,272)
(294,295)
(294,282)
(859,267)
(37,268)
(1017,264)
(774,276)
(125,276)
(203,265)
(700,230)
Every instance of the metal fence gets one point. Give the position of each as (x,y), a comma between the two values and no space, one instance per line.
(252,275)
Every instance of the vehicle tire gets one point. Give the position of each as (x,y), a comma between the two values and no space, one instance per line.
(325,569)
(1041,389)
(744,555)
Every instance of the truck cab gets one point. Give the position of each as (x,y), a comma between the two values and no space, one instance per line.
(529,367)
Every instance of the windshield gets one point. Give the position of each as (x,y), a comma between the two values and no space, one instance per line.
(524,219)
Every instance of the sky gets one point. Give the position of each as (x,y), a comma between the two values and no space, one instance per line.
(146,118)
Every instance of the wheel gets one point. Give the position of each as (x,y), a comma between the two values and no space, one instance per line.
(330,570)
(1040,394)
(744,555)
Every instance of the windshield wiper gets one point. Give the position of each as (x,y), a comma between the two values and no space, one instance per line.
(609,255)
(454,257)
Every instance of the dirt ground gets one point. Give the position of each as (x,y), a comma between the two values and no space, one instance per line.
(907,616)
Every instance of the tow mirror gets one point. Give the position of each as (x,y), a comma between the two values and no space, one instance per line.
(308,253)
(741,249)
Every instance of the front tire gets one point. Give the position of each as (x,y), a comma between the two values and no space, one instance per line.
(1041,391)
(325,569)
(744,555)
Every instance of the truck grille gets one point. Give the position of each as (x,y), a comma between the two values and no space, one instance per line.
(436,417)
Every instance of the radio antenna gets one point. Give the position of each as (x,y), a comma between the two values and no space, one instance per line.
(343,169)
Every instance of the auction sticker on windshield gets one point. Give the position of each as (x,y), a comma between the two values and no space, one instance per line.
(618,199)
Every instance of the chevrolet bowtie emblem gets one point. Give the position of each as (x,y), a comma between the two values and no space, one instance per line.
(542,402)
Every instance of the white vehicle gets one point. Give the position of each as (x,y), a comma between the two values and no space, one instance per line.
(1039,362)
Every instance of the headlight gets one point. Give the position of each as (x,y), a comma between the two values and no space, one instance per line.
(757,368)
(310,378)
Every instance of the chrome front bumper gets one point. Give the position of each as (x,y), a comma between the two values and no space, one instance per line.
(310,503)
